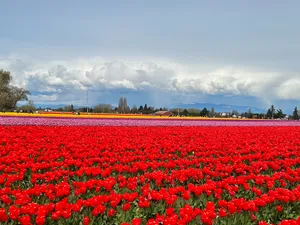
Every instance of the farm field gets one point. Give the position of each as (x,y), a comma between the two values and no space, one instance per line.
(162,173)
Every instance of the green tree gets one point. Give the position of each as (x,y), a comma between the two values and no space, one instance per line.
(249,113)
(280,114)
(204,112)
(185,112)
(141,109)
(212,112)
(134,109)
(295,114)
(18,94)
(269,114)
(102,108)
(273,111)
(145,109)
(69,108)
(28,107)
(151,109)
(10,95)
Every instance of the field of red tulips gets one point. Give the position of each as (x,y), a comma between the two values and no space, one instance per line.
(149,175)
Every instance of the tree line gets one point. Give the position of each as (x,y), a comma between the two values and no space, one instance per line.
(274,113)
(10,95)
(123,108)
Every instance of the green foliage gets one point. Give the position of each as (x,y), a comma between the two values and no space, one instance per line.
(280,114)
(102,108)
(185,112)
(295,114)
(273,114)
(10,95)
(204,112)
(28,107)
(134,109)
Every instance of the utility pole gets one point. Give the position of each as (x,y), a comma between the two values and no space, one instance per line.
(178,105)
(87,100)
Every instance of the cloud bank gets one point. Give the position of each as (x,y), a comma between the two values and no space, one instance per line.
(63,80)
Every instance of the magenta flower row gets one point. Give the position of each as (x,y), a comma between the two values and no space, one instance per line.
(26,121)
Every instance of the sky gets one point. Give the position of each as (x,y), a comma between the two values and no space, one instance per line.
(157,52)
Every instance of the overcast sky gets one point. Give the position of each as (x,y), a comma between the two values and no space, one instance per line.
(154,52)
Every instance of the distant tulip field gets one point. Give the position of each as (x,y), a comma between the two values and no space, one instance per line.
(57,171)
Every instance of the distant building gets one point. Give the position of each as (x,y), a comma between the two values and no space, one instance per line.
(163,113)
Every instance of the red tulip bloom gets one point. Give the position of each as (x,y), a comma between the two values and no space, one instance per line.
(279,208)
(25,220)
(3,215)
(14,212)
(86,220)
(136,221)
(111,212)
(232,208)
(40,220)
(186,195)
(222,212)
(253,217)
(169,211)
(126,207)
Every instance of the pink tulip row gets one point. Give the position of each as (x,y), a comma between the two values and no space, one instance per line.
(23,121)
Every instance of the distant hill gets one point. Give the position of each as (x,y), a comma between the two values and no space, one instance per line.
(222,107)
(218,107)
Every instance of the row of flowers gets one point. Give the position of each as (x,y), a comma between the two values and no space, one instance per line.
(60,121)
(149,175)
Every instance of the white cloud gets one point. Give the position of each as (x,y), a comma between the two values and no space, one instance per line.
(45,98)
(121,84)
(58,77)
(289,89)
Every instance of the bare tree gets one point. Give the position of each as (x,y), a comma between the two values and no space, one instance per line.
(121,105)
(126,107)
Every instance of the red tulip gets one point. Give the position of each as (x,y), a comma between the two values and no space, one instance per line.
(279,208)
(126,207)
(3,215)
(86,220)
